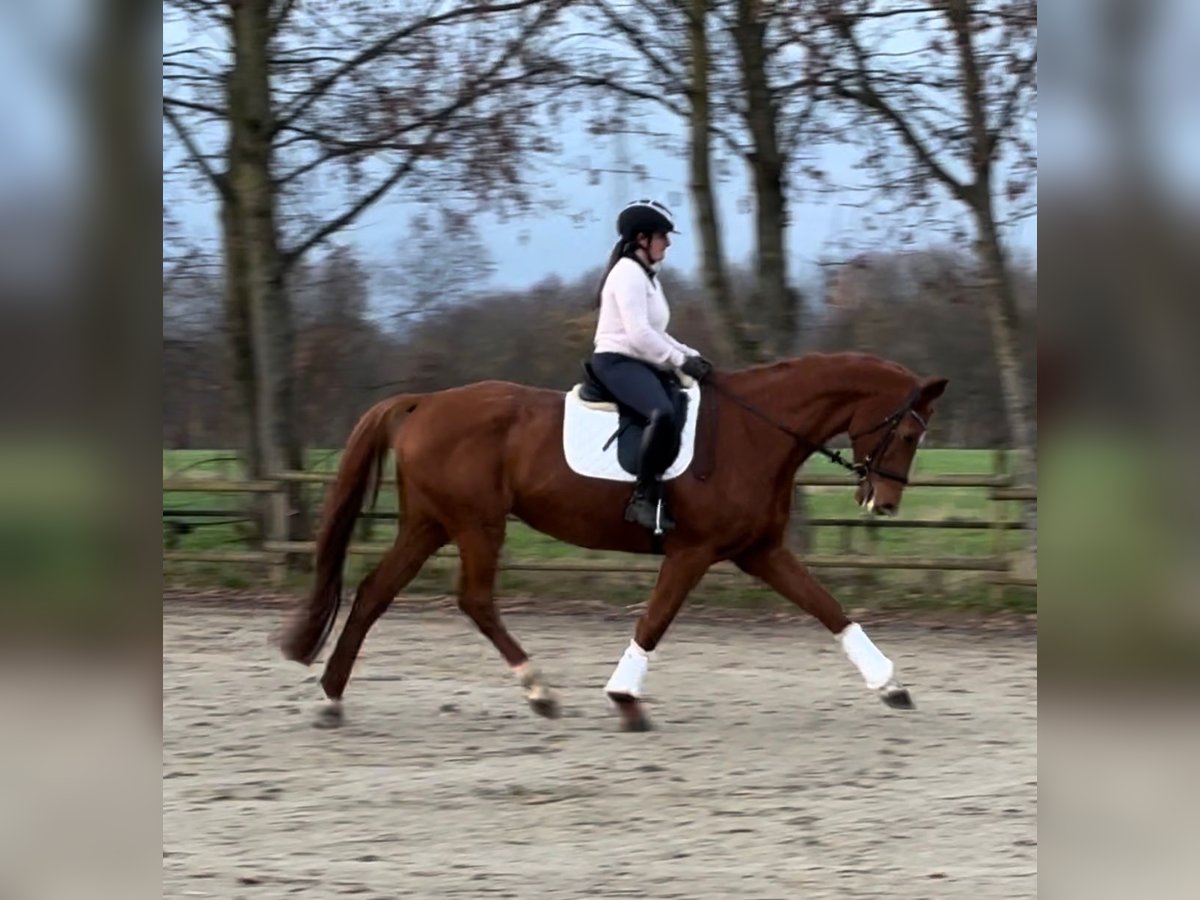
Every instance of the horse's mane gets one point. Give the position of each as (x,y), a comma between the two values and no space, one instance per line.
(789,365)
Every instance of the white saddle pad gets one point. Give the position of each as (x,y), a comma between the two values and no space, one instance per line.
(588,426)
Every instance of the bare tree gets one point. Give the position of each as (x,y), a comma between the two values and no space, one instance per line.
(776,103)
(952,84)
(699,110)
(727,69)
(326,109)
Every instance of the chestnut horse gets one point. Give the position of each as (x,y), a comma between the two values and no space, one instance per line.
(469,457)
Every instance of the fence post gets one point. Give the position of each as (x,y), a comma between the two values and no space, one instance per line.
(999,535)
(277,531)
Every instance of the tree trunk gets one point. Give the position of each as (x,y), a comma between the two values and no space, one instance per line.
(716,286)
(998,288)
(1000,300)
(998,293)
(239,348)
(775,300)
(260,266)
(774,293)
(776,303)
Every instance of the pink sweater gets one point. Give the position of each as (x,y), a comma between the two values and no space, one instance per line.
(634,316)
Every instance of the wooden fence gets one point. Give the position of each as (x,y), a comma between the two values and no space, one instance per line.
(996,568)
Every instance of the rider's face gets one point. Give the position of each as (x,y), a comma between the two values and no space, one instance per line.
(656,246)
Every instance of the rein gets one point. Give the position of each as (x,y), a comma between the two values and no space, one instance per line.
(860,469)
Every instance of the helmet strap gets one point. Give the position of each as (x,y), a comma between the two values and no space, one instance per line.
(651,269)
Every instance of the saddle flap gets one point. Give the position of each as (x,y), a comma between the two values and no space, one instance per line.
(588,426)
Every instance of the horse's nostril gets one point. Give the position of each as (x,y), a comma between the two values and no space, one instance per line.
(885,509)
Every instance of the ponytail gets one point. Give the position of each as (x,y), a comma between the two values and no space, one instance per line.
(618,251)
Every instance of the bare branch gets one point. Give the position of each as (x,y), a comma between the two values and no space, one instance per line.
(892,13)
(1025,75)
(959,15)
(217,180)
(212,10)
(800,84)
(440,119)
(217,111)
(281,15)
(869,97)
(337,223)
(790,137)
(636,39)
(380,47)
(340,149)
(664,100)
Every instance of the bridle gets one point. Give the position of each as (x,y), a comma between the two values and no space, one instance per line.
(869,465)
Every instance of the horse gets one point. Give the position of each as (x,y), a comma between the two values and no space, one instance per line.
(469,457)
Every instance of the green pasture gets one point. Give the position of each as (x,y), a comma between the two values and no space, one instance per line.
(871,588)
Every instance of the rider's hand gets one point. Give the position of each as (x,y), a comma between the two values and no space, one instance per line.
(696,367)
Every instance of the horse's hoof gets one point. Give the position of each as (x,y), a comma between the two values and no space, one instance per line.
(545,706)
(897,697)
(541,699)
(330,716)
(638,725)
(632,717)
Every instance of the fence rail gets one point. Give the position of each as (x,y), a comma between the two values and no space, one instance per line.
(953,524)
(273,549)
(324,478)
(995,569)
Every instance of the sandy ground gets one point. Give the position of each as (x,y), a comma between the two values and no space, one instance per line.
(772,773)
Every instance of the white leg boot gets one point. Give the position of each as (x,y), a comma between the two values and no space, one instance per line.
(877,670)
(629,678)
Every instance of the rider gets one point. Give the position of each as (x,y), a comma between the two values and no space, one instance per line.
(633,352)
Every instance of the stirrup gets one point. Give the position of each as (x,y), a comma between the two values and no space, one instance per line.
(649,512)
(662,519)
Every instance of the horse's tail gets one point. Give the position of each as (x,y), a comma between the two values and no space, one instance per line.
(364,456)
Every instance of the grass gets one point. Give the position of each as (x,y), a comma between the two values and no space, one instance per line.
(871,588)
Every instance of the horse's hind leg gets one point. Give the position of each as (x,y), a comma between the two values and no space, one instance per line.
(782,571)
(417,541)
(479,555)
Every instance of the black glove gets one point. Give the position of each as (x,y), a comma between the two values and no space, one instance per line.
(696,367)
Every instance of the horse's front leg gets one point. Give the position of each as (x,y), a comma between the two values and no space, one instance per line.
(780,569)
(677,576)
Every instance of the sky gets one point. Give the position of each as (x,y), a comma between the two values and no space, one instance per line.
(1080,139)
(42,163)
(548,243)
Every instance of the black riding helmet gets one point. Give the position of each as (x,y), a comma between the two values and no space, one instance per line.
(645,217)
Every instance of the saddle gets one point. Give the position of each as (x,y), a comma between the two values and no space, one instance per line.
(631,423)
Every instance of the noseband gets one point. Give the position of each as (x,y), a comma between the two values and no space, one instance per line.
(869,465)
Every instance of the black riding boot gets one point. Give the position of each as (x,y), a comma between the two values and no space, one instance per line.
(648,506)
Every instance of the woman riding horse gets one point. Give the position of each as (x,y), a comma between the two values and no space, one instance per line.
(633,352)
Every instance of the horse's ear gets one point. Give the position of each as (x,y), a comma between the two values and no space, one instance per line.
(931,388)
